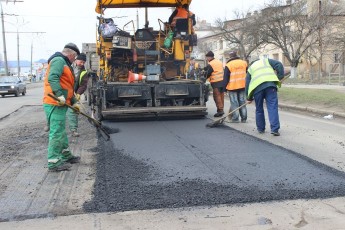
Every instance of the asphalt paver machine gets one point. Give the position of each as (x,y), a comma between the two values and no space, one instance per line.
(142,74)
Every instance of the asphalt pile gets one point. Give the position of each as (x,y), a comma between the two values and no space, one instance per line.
(124,183)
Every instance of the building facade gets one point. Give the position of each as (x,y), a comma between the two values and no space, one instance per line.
(331,63)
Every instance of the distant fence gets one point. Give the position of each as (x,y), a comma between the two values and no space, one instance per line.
(315,78)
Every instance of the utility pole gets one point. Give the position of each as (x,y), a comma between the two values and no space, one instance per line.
(18,60)
(3,33)
(4,40)
(320,42)
(31,58)
(137,20)
(32,50)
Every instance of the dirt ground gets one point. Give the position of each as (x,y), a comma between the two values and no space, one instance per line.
(23,168)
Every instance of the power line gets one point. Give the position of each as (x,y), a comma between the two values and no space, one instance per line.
(18,61)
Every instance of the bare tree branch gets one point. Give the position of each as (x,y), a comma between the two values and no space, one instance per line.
(298,28)
(240,33)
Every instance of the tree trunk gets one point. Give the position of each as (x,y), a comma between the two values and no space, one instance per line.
(293,72)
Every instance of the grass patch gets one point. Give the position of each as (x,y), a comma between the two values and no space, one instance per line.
(310,97)
(323,80)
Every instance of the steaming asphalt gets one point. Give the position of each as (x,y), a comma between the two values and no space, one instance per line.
(168,164)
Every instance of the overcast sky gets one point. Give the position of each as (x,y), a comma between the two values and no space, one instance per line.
(64,21)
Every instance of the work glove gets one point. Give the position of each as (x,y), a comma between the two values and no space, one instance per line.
(77,96)
(76,106)
(61,101)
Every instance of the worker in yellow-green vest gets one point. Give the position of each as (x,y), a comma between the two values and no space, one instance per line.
(262,81)
(80,86)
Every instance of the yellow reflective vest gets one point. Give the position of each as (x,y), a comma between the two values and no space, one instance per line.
(261,71)
(82,74)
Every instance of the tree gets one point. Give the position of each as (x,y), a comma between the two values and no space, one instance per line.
(335,36)
(241,33)
(296,28)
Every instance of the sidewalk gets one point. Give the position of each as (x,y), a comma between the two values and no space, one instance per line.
(308,215)
(322,112)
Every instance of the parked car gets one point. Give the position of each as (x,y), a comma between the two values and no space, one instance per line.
(12,85)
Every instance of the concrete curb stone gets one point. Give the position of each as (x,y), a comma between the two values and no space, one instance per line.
(311,110)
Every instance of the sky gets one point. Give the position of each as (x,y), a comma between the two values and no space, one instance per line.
(48,25)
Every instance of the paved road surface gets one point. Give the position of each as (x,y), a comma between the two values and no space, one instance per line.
(309,136)
(11,103)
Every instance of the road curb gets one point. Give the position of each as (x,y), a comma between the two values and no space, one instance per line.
(311,110)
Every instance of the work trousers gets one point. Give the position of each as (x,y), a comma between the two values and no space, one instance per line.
(271,97)
(72,117)
(58,148)
(238,98)
(218,97)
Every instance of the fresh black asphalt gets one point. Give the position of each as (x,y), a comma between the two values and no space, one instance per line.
(169,164)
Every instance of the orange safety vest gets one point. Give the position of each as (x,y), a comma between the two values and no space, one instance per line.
(181,13)
(66,82)
(238,69)
(218,71)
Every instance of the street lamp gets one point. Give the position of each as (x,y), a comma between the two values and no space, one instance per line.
(33,48)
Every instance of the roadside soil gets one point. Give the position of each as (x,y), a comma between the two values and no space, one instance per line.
(23,168)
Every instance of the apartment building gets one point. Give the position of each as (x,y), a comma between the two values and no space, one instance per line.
(331,63)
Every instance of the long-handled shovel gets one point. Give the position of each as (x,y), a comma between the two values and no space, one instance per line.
(222,119)
(96,123)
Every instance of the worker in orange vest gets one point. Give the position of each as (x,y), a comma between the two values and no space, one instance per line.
(214,74)
(59,81)
(235,77)
(181,12)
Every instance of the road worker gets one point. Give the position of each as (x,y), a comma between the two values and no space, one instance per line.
(59,81)
(214,74)
(181,12)
(80,86)
(262,79)
(235,77)
(193,70)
